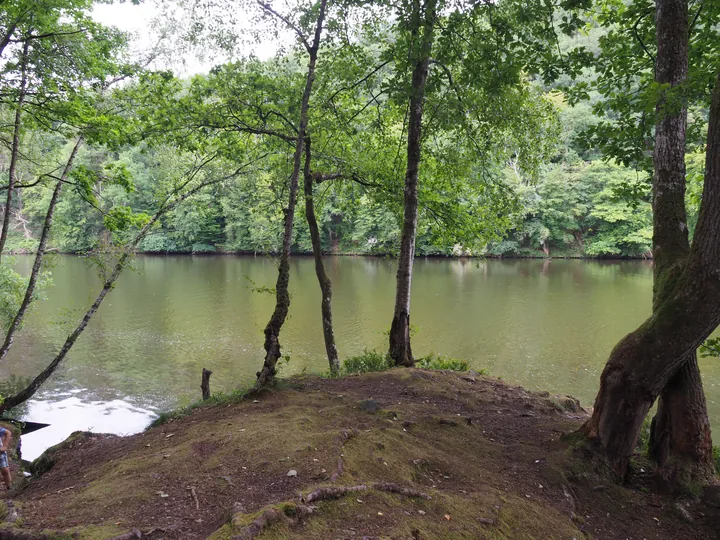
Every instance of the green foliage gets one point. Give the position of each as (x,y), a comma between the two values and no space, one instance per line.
(12,290)
(121,218)
(716,458)
(433,361)
(711,347)
(643,442)
(365,363)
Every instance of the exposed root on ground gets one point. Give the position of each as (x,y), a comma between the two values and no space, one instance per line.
(294,513)
(345,435)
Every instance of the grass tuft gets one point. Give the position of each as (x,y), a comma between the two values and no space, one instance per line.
(365,363)
(431,361)
(220,398)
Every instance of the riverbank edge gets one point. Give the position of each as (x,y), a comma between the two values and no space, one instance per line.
(307,254)
(437,452)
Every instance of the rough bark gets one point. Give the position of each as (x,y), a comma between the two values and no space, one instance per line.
(680,441)
(323,279)
(15,150)
(400,350)
(205,384)
(40,254)
(282,297)
(645,361)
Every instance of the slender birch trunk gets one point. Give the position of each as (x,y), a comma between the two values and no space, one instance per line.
(323,279)
(400,350)
(15,151)
(40,254)
(282,297)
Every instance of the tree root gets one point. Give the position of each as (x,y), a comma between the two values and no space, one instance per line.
(295,513)
(266,519)
(345,435)
(328,493)
(399,490)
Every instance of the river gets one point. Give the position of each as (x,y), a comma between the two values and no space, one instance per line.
(546,325)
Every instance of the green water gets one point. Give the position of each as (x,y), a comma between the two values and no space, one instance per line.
(541,324)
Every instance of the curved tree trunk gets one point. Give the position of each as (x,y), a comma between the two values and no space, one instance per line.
(645,361)
(282,297)
(35,384)
(15,149)
(680,441)
(323,279)
(400,351)
(40,254)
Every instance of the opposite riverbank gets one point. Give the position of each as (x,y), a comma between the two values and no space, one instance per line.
(406,453)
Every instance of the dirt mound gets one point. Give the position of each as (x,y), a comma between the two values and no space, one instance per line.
(400,454)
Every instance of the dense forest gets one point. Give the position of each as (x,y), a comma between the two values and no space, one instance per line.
(575,202)
(573,206)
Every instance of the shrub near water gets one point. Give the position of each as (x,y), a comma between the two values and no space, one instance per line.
(366,362)
(442,362)
(374,361)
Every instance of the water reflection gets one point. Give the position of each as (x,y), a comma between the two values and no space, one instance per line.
(69,412)
(543,324)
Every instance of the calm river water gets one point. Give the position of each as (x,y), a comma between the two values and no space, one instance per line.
(543,324)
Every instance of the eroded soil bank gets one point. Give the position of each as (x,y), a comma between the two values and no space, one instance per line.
(425,454)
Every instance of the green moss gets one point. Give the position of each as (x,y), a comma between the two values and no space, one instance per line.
(223,533)
(217,399)
(95,532)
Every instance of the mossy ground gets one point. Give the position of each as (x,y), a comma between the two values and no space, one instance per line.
(489,455)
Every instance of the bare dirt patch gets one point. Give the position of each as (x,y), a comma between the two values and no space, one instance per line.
(490,456)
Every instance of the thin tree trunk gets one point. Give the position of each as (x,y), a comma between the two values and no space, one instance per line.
(34,385)
(37,265)
(400,350)
(323,279)
(282,297)
(15,151)
(645,361)
(680,440)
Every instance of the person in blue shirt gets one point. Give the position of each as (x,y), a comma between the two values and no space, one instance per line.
(5,437)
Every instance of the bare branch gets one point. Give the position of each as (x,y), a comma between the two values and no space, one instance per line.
(267,7)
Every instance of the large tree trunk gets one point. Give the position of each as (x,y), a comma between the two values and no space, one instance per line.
(680,439)
(400,351)
(323,279)
(645,361)
(40,254)
(282,297)
(15,149)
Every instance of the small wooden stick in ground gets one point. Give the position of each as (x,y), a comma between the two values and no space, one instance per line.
(194,496)
(205,385)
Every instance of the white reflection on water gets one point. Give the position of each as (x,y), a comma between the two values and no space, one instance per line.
(70,413)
